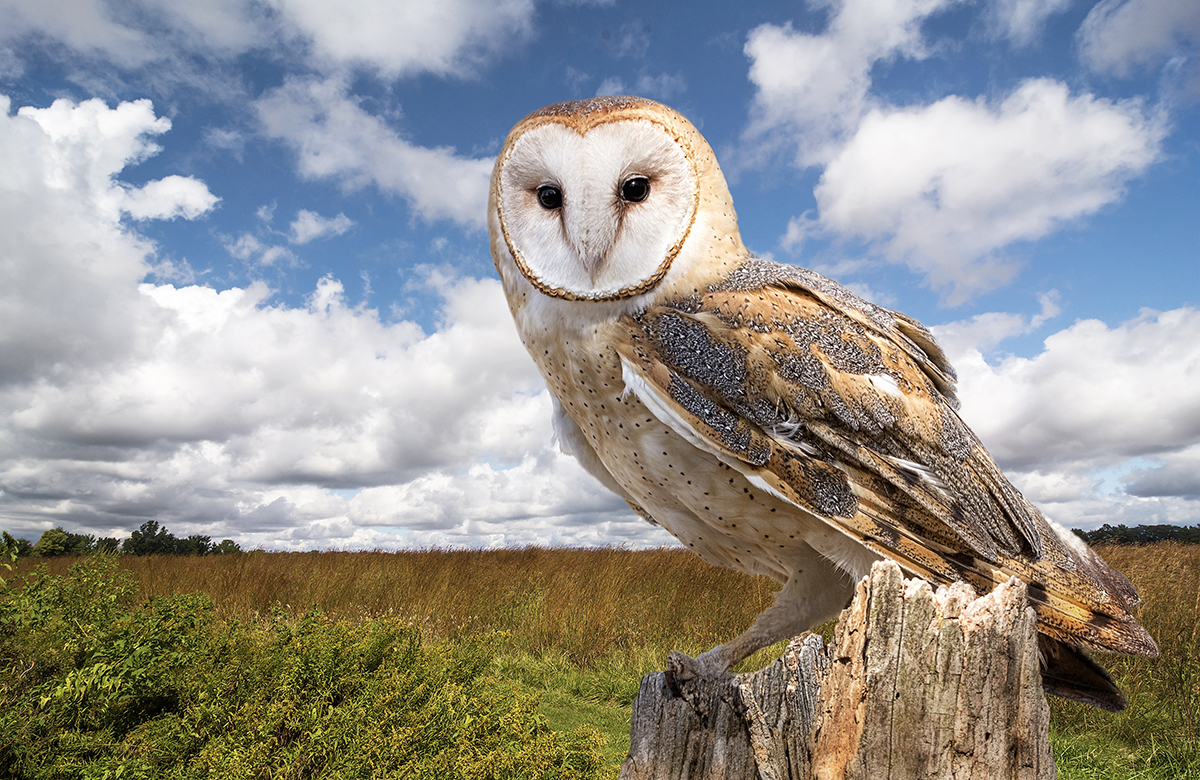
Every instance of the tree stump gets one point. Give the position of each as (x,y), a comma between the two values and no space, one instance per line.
(917,684)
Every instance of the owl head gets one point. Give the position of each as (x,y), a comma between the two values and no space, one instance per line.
(600,200)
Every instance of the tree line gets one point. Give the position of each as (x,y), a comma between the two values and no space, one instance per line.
(1141,534)
(150,539)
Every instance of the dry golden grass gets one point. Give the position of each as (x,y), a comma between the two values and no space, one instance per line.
(627,607)
(1164,692)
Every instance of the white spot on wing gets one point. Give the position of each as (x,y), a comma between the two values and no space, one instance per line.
(885,383)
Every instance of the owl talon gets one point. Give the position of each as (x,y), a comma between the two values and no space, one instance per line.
(682,668)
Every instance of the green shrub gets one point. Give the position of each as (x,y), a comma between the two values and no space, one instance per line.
(95,686)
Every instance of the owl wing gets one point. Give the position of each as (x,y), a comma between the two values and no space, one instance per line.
(847,411)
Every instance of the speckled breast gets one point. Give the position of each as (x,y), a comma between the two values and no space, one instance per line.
(704,503)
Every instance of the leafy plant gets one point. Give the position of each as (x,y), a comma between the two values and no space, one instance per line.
(96,685)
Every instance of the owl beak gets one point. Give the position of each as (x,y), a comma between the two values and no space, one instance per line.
(593,240)
(593,262)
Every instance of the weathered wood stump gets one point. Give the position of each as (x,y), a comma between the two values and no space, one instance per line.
(917,684)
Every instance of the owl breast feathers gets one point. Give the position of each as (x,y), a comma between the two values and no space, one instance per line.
(764,415)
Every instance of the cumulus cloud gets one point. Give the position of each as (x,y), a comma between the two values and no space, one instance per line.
(1103,425)
(228,414)
(309,226)
(1094,395)
(69,268)
(1173,474)
(812,89)
(945,187)
(169,197)
(1119,36)
(333,137)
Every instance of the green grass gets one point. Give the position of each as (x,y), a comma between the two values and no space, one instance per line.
(1089,756)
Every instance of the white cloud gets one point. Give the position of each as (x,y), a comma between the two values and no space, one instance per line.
(248,247)
(813,89)
(662,87)
(1102,426)
(448,37)
(83,25)
(222,413)
(1022,21)
(984,332)
(945,187)
(1119,36)
(612,86)
(1095,394)
(335,138)
(1174,474)
(309,226)
(170,197)
(69,268)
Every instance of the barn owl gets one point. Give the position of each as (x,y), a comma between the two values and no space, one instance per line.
(770,419)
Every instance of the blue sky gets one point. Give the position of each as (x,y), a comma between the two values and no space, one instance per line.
(245,288)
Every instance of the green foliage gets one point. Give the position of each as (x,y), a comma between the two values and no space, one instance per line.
(154,539)
(57,541)
(93,685)
(150,539)
(1141,534)
(226,547)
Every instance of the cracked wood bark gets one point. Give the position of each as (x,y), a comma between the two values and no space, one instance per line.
(916,684)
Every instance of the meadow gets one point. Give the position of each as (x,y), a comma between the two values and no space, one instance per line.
(575,630)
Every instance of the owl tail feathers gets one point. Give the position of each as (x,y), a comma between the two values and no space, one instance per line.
(1070,673)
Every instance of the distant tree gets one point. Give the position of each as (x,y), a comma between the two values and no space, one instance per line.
(52,543)
(225,547)
(109,545)
(150,539)
(1141,534)
(155,539)
(58,541)
(193,545)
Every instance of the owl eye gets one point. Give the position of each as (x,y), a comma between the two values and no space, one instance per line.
(635,189)
(549,196)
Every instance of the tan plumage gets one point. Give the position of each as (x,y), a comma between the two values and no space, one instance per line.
(767,417)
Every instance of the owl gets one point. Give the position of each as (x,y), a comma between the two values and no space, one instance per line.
(770,419)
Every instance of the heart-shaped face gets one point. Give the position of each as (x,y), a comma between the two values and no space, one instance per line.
(597,215)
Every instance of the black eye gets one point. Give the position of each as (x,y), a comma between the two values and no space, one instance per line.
(635,189)
(550,197)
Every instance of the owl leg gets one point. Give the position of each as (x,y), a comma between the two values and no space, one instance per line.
(812,595)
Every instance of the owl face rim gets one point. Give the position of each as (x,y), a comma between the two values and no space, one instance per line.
(597,245)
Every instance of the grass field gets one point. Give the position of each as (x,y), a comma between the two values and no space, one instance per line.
(581,627)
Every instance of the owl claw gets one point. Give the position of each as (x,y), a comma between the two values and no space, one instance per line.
(682,668)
